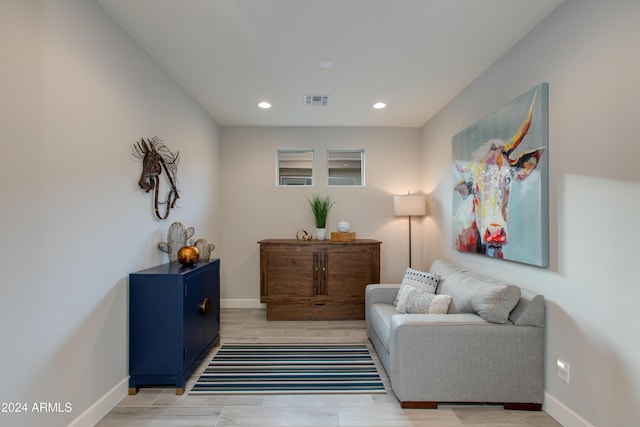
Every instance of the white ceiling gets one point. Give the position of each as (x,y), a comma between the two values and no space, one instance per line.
(415,55)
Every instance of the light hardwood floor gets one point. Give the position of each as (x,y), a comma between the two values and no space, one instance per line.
(157,407)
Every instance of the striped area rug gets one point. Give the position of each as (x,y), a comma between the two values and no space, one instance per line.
(290,369)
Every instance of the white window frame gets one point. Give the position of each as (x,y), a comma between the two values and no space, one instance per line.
(296,156)
(347,180)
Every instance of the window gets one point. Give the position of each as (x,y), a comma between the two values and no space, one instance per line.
(294,167)
(345,167)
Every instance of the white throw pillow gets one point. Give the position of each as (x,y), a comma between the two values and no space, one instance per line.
(419,279)
(414,300)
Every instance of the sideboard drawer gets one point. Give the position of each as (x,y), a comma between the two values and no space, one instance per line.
(315,311)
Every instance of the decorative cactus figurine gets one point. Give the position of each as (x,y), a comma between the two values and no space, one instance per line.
(205,248)
(176,239)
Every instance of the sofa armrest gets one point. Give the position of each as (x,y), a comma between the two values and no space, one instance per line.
(378,293)
(381,293)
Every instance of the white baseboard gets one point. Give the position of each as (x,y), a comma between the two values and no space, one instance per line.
(102,406)
(241,303)
(110,400)
(562,413)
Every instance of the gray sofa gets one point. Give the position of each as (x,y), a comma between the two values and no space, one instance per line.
(488,348)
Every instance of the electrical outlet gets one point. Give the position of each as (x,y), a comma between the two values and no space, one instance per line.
(563,370)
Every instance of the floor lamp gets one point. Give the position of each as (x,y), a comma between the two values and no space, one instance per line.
(409,205)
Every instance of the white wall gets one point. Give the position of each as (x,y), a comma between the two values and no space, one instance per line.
(253,208)
(588,53)
(76,93)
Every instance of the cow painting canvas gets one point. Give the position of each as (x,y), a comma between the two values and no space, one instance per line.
(500,182)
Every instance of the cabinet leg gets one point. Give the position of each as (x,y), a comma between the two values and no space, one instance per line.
(179,391)
(133,391)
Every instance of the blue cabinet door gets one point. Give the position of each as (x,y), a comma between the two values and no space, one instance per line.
(212,294)
(193,326)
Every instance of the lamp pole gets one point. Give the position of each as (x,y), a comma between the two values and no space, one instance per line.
(409,240)
(409,205)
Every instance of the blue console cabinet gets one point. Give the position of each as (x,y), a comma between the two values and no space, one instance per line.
(174,319)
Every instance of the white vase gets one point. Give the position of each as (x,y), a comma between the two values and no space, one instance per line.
(321,233)
(343,226)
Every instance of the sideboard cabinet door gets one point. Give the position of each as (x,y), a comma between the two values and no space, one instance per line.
(351,269)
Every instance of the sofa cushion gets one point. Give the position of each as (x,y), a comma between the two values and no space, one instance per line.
(414,300)
(419,279)
(443,268)
(473,293)
(529,311)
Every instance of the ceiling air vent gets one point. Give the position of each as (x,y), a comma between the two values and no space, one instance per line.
(316,100)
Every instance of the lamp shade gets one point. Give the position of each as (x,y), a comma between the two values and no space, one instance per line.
(409,205)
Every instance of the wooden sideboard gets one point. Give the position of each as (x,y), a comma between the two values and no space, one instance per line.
(317,279)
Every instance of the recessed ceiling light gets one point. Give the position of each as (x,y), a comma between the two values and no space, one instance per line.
(325,64)
(379,105)
(264,104)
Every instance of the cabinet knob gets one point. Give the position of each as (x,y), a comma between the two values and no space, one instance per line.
(205,308)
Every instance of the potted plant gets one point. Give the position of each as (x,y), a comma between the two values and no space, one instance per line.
(320,207)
